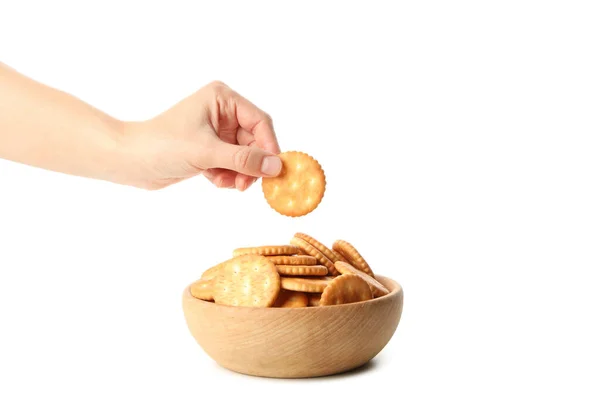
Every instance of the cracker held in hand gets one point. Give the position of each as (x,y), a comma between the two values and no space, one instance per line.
(202,289)
(293,260)
(376,287)
(311,285)
(249,280)
(300,186)
(344,289)
(279,250)
(302,270)
(313,251)
(353,256)
(289,299)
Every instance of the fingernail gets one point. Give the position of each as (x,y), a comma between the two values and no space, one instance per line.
(271,165)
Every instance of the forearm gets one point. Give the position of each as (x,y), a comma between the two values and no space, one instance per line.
(44,127)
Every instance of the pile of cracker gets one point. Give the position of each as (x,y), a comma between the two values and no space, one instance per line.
(304,273)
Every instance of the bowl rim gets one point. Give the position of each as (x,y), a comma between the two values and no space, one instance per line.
(395,290)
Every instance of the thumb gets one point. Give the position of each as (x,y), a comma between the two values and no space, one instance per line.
(248,160)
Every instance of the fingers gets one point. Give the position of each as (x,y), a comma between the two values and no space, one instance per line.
(247,160)
(221,178)
(227,179)
(252,119)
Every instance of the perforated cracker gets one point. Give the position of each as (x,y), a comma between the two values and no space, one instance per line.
(344,289)
(311,285)
(202,289)
(302,270)
(376,287)
(300,186)
(293,260)
(278,250)
(353,256)
(313,251)
(211,272)
(249,280)
(289,299)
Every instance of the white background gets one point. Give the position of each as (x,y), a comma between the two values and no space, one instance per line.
(469,130)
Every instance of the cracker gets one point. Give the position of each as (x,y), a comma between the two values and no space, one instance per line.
(339,256)
(289,299)
(311,285)
(202,289)
(326,251)
(376,287)
(304,270)
(211,272)
(314,299)
(278,250)
(249,280)
(300,186)
(313,251)
(353,256)
(344,289)
(293,260)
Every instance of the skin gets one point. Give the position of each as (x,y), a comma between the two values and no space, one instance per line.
(214,132)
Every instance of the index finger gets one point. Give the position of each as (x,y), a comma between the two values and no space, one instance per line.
(256,121)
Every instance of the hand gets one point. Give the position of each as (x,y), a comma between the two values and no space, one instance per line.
(214,132)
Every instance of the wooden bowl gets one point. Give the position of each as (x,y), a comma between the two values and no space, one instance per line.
(294,342)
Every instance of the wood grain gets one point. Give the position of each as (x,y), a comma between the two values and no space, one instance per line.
(294,342)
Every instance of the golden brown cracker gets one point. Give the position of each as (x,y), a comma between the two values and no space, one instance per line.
(249,280)
(293,260)
(278,250)
(339,256)
(300,186)
(313,251)
(326,251)
(311,285)
(376,287)
(314,299)
(344,289)
(302,270)
(211,272)
(290,299)
(202,289)
(353,256)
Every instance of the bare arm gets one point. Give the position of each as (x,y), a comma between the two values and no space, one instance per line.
(214,132)
(50,129)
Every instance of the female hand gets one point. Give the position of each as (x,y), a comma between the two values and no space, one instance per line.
(214,132)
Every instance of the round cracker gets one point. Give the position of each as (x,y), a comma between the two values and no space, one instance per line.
(293,260)
(314,299)
(211,273)
(303,270)
(202,289)
(313,251)
(278,250)
(326,251)
(376,287)
(311,285)
(339,256)
(289,299)
(344,289)
(353,256)
(300,186)
(249,280)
